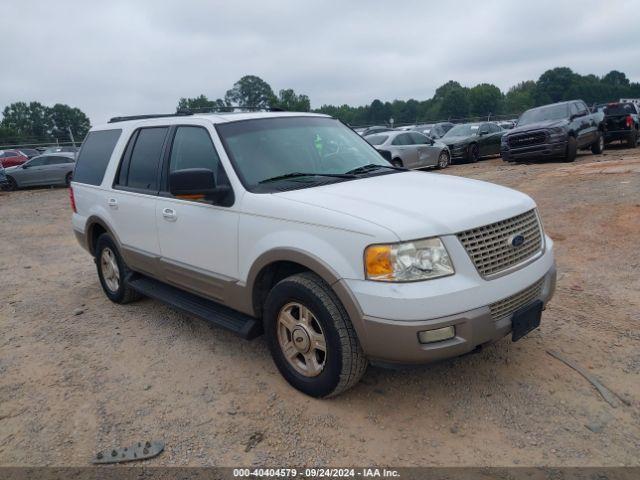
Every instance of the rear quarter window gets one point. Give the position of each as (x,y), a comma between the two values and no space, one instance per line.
(95,155)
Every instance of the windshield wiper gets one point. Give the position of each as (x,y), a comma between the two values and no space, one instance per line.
(300,174)
(373,166)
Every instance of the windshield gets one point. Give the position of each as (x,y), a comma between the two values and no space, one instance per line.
(376,139)
(267,148)
(467,130)
(552,112)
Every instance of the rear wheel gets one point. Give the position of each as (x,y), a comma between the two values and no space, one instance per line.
(68,178)
(572,150)
(632,139)
(443,160)
(473,153)
(11,184)
(311,338)
(113,272)
(598,147)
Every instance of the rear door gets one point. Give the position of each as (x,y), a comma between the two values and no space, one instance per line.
(427,154)
(406,150)
(57,168)
(132,202)
(198,237)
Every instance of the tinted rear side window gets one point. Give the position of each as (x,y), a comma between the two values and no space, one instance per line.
(94,156)
(145,159)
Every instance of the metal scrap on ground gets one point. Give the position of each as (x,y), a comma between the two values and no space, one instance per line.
(139,451)
(607,394)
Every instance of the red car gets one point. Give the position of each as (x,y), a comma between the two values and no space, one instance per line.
(11,158)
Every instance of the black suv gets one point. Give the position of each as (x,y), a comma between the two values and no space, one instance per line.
(554,131)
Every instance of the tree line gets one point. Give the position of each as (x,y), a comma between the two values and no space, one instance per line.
(450,101)
(33,122)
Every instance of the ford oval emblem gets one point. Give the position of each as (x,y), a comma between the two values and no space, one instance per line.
(516,240)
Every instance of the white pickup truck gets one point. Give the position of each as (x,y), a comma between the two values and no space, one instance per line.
(291,224)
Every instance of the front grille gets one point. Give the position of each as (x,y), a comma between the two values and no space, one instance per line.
(506,307)
(490,247)
(527,139)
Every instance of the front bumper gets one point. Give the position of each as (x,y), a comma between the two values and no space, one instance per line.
(542,150)
(392,315)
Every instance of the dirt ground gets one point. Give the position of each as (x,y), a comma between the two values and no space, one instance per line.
(79,374)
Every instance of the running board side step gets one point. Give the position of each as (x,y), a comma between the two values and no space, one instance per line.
(245,326)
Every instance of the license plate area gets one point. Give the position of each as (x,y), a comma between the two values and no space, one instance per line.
(525,320)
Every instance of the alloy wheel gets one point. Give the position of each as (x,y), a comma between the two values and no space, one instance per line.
(301,339)
(110,270)
(443,160)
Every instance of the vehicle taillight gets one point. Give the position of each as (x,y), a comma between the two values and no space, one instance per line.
(72,200)
(629,121)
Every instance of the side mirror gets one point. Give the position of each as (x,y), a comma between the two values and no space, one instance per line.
(197,184)
(24,165)
(483,133)
(578,115)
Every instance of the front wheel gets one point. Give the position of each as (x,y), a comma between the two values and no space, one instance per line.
(598,147)
(68,178)
(10,185)
(473,153)
(572,150)
(311,338)
(443,160)
(396,162)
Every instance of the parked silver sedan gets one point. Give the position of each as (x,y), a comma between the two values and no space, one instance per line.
(50,169)
(411,149)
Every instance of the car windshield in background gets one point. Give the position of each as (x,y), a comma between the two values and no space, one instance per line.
(552,112)
(280,149)
(376,139)
(619,109)
(463,131)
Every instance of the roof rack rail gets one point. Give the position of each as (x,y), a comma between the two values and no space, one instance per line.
(179,113)
(183,112)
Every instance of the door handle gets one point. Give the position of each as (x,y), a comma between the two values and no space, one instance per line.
(112,202)
(169,214)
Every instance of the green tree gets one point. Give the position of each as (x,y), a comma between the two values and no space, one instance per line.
(520,97)
(62,117)
(616,78)
(251,91)
(196,103)
(290,101)
(554,85)
(485,99)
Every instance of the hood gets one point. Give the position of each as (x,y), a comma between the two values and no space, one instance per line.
(537,125)
(455,139)
(417,204)
(12,169)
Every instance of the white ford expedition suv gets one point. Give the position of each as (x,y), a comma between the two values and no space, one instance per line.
(291,224)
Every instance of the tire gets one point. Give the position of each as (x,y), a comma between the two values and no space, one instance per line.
(443,160)
(396,162)
(632,139)
(108,262)
(68,178)
(572,149)
(11,184)
(598,147)
(473,153)
(298,310)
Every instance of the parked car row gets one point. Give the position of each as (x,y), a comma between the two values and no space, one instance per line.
(49,169)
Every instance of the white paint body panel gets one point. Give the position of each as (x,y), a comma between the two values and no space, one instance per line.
(333,223)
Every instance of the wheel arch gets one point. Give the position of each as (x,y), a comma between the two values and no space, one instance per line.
(96,226)
(274,265)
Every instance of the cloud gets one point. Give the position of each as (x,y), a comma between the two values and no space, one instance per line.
(122,57)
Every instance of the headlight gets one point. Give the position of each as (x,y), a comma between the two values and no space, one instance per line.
(407,261)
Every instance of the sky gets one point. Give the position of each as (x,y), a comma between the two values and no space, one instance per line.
(114,57)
